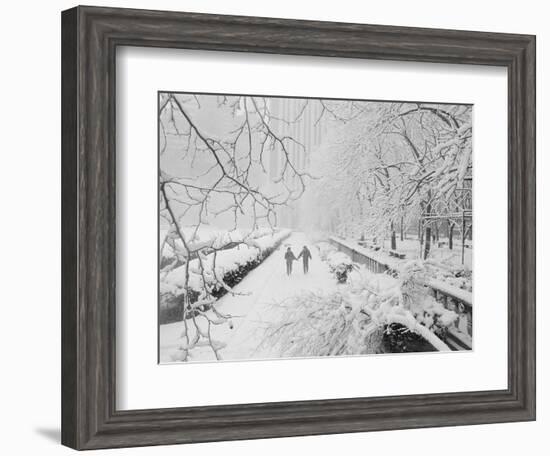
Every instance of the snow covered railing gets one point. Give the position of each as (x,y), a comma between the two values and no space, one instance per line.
(459,301)
(453,298)
(374,261)
(463,296)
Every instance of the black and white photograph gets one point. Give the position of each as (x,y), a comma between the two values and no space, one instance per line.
(261,228)
(312,227)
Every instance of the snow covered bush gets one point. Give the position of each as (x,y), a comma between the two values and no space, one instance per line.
(205,239)
(211,275)
(340,265)
(405,300)
(371,314)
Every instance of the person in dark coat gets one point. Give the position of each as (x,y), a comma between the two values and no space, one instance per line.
(306,256)
(289,257)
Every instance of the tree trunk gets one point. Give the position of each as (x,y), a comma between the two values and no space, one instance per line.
(427,245)
(393,240)
(451,229)
(401,229)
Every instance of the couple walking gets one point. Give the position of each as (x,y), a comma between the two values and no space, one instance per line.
(305,254)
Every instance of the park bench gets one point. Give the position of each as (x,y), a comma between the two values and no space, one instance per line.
(396,254)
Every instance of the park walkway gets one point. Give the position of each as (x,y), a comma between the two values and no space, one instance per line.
(262,289)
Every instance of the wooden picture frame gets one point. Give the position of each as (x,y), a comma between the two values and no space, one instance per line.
(90,37)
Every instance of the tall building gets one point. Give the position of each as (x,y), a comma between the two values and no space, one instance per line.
(301,120)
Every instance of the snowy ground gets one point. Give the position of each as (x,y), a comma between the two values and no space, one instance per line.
(267,285)
(442,254)
(445,262)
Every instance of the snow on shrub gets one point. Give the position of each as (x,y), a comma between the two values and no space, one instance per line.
(406,300)
(353,319)
(335,259)
(171,246)
(211,274)
(340,265)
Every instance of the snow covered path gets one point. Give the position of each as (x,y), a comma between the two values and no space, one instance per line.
(265,286)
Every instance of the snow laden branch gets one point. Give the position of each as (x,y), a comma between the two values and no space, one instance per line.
(389,162)
(213,174)
(354,319)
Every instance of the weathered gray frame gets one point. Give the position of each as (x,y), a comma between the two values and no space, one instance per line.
(90,36)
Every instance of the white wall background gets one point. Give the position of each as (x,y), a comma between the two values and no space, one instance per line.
(30,224)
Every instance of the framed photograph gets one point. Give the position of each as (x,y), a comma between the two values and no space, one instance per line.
(283,227)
